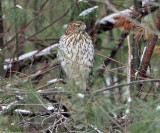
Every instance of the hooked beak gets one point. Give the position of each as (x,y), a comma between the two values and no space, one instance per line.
(84,27)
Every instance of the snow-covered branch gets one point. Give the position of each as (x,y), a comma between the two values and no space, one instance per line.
(87,11)
(112,17)
(32,54)
(107,22)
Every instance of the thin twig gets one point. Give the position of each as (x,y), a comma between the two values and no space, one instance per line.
(126,84)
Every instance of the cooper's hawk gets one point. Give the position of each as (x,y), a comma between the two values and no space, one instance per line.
(76,53)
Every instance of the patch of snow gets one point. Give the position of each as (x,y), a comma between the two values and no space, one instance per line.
(22,111)
(27,55)
(143,53)
(80,95)
(8,85)
(18,6)
(111,18)
(59,88)
(127,111)
(22,57)
(158,108)
(65,26)
(108,82)
(87,11)
(82,1)
(96,129)
(144,2)
(50,107)
(47,50)
(115,78)
(3,16)
(8,60)
(157,84)
(115,116)
(35,74)
(5,67)
(124,117)
(9,105)
(52,81)
(20,97)
(40,91)
(62,110)
(136,74)
(129,99)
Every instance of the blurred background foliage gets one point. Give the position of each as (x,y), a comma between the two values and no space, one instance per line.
(36,24)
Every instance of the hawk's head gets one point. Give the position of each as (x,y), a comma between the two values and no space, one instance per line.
(75,27)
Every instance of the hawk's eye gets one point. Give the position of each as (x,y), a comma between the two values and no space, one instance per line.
(78,26)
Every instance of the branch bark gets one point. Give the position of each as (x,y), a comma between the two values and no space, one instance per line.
(150,47)
(117,47)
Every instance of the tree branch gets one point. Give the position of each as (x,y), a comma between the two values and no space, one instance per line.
(150,47)
(108,22)
(117,47)
(125,84)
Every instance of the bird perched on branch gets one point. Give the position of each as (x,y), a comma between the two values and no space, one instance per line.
(76,53)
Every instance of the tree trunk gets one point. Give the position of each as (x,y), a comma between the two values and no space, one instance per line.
(1,41)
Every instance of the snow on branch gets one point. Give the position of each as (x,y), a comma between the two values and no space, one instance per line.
(8,106)
(95,128)
(112,18)
(31,54)
(82,1)
(80,95)
(87,11)
(18,6)
(53,81)
(145,2)
(22,111)
(47,50)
